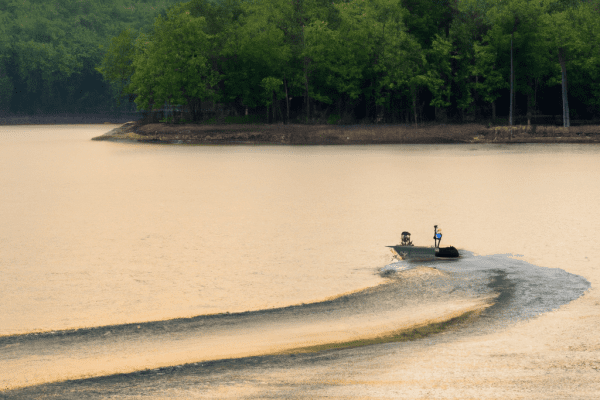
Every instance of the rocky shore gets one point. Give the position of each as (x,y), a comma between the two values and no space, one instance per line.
(298,134)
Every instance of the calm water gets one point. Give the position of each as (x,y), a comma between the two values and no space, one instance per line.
(117,258)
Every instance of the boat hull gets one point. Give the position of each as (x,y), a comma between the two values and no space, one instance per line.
(424,253)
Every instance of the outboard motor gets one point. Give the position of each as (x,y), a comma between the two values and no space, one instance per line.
(406,239)
(449,252)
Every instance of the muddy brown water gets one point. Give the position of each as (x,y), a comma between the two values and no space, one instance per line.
(105,246)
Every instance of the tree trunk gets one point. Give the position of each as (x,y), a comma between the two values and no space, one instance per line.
(476,97)
(512,79)
(366,107)
(287,102)
(415,105)
(280,112)
(274,115)
(306,100)
(528,106)
(563,67)
(193,107)
(510,112)
(443,114)
(535,97)
(493,111)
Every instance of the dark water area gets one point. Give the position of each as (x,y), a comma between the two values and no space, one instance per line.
(522,291)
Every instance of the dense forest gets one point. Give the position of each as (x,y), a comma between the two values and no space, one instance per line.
(306,60)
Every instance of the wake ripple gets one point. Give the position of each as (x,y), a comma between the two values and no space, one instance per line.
(414,293)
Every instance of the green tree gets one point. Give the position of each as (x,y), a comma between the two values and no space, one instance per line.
(117,64)
(222,24)
(396,58)
(260,47)
(562,38)
(272,39)
(439,72)
(6,84)
(346,54)
(467,29)
(429,18)
(585,68)
(171,66)
(516,32)
(564,29)
(406,65)
(272,87)
(361,53)
(486,68)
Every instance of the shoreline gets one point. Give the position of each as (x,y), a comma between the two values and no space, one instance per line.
(297,134)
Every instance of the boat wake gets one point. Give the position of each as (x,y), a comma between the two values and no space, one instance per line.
(499,288)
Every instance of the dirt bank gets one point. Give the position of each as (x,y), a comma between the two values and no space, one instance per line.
(348,134)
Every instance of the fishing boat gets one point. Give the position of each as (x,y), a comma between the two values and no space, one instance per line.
(407,251)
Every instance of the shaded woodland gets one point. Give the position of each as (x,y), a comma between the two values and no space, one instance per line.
(49,51)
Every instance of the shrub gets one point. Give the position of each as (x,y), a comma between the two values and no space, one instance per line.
(333,119)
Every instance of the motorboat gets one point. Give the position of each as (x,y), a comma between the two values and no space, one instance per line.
(407,251)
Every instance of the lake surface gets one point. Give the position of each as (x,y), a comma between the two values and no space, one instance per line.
(201,263)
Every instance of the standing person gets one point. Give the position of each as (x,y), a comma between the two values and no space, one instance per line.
(437,236)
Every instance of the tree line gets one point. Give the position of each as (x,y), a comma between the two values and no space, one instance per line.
(307,60)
